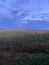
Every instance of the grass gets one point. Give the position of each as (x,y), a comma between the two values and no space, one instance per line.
(24,48)
(30,60)
(37,60)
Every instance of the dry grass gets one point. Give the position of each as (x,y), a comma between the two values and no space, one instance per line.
(16,45)
(20,32)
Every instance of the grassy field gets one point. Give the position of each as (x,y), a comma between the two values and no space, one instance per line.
(24,47)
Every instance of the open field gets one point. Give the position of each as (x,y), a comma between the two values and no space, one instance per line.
(24,47)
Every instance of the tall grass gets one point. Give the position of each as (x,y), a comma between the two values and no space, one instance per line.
(26,43)
(30,60)
(14,43)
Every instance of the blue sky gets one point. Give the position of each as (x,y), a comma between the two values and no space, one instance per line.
(24,14)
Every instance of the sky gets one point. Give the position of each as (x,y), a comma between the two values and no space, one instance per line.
(24,14)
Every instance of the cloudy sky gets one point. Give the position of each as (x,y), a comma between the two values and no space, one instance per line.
(24,14)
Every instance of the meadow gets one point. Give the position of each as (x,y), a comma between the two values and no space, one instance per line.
(24,47)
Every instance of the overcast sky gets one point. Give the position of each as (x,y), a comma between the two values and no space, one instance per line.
(24,14)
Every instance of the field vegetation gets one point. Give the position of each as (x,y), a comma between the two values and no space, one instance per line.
(24,47)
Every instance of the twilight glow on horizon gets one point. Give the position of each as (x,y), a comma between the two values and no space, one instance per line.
(24,14)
